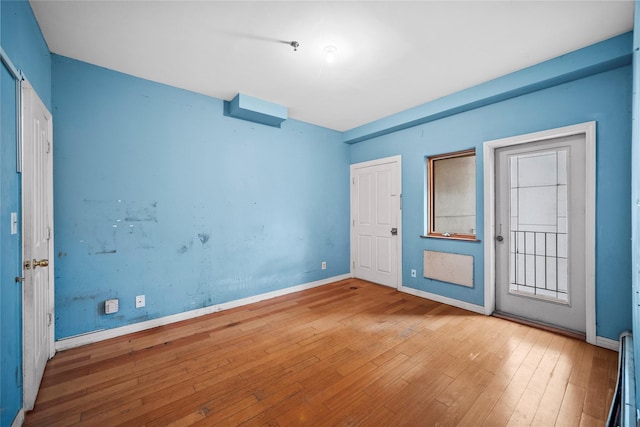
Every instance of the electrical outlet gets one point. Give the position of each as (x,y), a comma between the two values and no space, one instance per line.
(140,302)
(111,306)
(413,272)
(324,265)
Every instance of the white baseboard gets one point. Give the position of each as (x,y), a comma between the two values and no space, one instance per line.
(19,419)
(105,334)
(600,341)
(608,343)
(445,300)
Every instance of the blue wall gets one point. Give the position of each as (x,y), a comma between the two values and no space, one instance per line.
(10,291)
(605,98)
(22,40)
(635,198)
(158,193)
(25,45)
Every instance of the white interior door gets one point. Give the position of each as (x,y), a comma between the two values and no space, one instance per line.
(540,231)
(37,211)
(376,221)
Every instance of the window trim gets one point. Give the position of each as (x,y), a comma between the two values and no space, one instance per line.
(430,197)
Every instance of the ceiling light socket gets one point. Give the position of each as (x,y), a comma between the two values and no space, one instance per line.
(330,54)
(295,45)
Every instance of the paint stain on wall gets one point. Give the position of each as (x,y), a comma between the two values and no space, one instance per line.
(116,210)
(141,213)
(184,248)
(105,242)
(112,251)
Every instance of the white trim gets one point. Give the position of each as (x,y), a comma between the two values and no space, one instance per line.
(377,162)
(392,159)
(92,337)
(589,130)
(52,258)
(19,419)
(6,61)
(489,228)
(445,300)
(608,343)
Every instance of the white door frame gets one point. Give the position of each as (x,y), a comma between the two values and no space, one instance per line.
(588,129)
(393,159)
(28,90)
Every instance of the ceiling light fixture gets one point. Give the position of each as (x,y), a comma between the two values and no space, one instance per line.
(330,54)
(295,45)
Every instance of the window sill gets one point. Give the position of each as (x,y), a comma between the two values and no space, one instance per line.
(460,239)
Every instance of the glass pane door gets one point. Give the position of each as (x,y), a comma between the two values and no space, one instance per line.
(538,226)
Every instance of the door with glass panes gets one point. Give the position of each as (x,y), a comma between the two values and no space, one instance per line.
(540,223)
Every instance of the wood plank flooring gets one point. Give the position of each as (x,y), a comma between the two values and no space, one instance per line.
(349,353)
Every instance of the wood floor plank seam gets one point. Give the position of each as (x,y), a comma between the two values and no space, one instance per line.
(346,353)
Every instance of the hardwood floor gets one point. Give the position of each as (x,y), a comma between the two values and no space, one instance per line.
(348,353)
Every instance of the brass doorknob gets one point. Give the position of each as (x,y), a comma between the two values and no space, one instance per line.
(41,263)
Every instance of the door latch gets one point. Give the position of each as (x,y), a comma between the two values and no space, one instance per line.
(394,231)
(42,263)
(28,265)
(499,238)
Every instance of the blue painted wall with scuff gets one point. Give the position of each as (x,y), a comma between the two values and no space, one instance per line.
(605,98)
(158,193)
(22,40)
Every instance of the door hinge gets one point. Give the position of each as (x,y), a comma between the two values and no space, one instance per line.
(353,263)
(48,233)
(400,201)
(353,222)
(353,181)
(49,319)
(48,147)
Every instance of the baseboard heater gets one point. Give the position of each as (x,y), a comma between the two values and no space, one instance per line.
(623,406)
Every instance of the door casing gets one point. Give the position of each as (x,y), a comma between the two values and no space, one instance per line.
(588,129)
(398,191)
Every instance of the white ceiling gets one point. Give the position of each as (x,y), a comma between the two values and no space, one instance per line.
(391,55)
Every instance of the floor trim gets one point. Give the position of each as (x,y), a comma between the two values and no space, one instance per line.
(92,337)
(608,343)
(540,325)
(600,341)
(19,419)
(445,300)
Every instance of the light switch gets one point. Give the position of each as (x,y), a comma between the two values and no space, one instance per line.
(14,223)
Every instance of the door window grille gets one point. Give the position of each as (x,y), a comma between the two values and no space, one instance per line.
(538,229)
